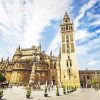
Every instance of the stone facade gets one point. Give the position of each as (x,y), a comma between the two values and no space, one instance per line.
(33,66)
(69,67)
(86,76)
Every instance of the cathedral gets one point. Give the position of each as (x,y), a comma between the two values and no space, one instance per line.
(33,66)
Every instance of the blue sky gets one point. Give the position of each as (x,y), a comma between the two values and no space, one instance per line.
(30,22)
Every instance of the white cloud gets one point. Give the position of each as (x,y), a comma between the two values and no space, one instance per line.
(81,34)
(96,23)
(92,16)
(54,46)
(83,9)
(92,62)
(82,50)
(22,21)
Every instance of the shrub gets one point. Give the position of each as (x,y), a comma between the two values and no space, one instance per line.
(1,94)
(28,91)
(45,92)
(2,78)
(64,90)
(57,91)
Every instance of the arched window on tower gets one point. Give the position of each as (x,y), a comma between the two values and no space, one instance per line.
(71,28)
(63,38)
(61,28)
(68,51)
(71,37)
(67,38)
(70,63)
(68,57)
(63,48)
(72,47)
(66,27)
(55,65)
(69,73)
(67,63)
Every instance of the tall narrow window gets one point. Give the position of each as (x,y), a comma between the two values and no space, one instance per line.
(71,28)
(68,50)
(66,27)
(72,47)
(54,65)
(70,63)
(71,37)
(63,38)
(67,63)
(67,38)
(61,28)
(67,45)
(63,48)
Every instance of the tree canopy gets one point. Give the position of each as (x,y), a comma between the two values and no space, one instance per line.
(2,78)
(94,81)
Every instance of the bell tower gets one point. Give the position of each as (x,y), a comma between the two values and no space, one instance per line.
(69,67)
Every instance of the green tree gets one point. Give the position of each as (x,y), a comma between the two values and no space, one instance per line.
(94,83)
(2,78)
(57,90)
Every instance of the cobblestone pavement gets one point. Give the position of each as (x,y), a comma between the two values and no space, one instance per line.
(18,93)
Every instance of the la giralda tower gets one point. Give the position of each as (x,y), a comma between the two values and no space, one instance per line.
(68,62)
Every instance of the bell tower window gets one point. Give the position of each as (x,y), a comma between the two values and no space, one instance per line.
(66,27)
(71,28)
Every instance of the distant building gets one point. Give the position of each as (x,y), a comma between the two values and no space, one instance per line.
(33,66)
(86,76)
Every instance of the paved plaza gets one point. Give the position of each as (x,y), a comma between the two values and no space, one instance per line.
(19,93)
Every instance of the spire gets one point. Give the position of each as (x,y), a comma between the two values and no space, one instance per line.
(66,15)
(51,53)
(66,18)
(2,59)
(19,47)
(39,47)
(7,59)
(60,53)
(86,68)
